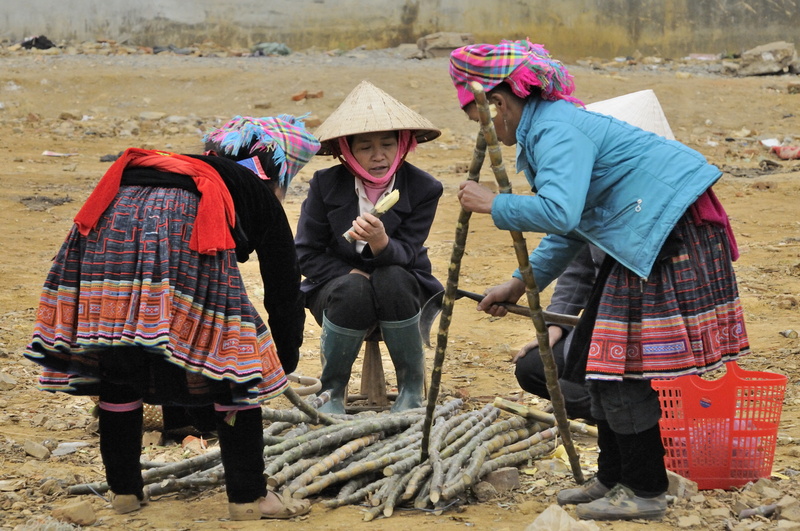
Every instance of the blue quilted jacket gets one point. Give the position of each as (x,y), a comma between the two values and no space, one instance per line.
(599,180)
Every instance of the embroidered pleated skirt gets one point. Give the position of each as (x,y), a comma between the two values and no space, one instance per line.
(133,304)
(685,318)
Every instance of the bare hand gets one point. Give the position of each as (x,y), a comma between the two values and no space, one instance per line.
(509,291)
(475,198)
(369,228)
(554,333)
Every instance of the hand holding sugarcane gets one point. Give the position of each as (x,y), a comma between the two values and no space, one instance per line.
(365,228)
(475,197)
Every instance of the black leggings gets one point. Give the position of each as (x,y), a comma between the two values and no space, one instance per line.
(358,303)
(241,445)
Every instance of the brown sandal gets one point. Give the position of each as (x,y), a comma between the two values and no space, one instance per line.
(127,503)
(290,507)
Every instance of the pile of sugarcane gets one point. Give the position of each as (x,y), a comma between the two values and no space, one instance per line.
(372,459)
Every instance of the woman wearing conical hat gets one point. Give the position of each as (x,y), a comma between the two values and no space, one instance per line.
(361,270)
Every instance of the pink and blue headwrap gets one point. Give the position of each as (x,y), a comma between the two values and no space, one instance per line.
(521,64)
(285,135)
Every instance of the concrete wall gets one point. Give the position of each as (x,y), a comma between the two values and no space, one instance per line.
(569,28)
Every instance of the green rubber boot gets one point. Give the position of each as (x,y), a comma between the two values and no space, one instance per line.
(404,342)
(339,348)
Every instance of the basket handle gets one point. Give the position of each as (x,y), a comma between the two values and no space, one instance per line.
(743,375)
(733,368)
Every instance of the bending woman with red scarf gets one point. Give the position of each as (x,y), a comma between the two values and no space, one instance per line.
(145,302)
(383,277)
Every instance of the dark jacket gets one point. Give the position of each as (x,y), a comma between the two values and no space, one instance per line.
(329,211)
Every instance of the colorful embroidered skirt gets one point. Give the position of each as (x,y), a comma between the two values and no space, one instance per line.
(686,318)
(132,303)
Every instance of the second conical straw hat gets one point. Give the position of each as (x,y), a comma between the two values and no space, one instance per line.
(641,109)
(368,109)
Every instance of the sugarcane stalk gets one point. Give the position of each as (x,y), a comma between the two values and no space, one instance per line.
(459,243)
(436,454)
(179,469)
(541,416)
(395,492)
(464,454)
(512,459)
(389,444)
(516,458)
(296,431)
(358,495)
(316,416)
(537,437)
(353,470)
(331,435)
(476,460)
(403,465)
(330,460)
(356,483)
(439,474)
(293,416)
(421,473)
(276,428)
(378,497)
(423,498)
(318,400)
(419,476)
(205,478)
(407,439)
(373,512)
(289,416)
(532,291)
(291,471)
(97,487)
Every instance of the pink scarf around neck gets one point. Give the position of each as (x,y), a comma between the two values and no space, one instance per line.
(375,186)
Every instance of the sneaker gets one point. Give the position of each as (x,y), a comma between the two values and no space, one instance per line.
(589,491)
(622,504)
(127,503)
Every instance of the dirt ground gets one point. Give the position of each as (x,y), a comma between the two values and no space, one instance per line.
(88,106)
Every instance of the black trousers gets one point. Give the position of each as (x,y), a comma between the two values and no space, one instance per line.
(531,377)
(358,303)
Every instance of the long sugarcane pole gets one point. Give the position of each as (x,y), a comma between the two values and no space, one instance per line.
(462,228)
(531,290)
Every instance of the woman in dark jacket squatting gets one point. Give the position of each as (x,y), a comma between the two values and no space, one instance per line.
(381,276)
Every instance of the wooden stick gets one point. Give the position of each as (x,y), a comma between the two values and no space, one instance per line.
(532,291)
(462,228)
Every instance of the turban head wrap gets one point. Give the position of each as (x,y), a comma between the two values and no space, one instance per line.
(521,64)
(292,146)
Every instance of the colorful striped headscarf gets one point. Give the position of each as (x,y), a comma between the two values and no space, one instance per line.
(285,135)
(521,64)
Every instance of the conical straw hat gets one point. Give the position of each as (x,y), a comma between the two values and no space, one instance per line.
(368,109)
(641,109)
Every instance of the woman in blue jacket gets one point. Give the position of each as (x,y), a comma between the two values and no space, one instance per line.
(665,302)
(381,274)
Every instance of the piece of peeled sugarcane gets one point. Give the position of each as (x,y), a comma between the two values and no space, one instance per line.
(381,208)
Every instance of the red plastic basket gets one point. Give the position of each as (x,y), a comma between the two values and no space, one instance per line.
(721,433)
